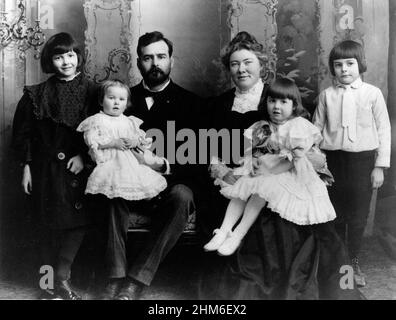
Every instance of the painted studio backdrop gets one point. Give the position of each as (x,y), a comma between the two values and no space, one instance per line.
(297,34)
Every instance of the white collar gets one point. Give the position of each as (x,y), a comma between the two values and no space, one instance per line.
(355,84)
(76,75)
(160,89)
(112,117)
(248,100)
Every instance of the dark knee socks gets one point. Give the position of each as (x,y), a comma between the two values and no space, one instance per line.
(70,242)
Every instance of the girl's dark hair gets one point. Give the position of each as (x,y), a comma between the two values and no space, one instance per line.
(243,40)
(285,88)
(59,43)
(113,83)
(346,50)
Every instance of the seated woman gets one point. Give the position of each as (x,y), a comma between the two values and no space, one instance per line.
(277,259)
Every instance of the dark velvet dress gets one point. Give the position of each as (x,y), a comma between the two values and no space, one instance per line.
(44,137)
(277,259)
(219,116)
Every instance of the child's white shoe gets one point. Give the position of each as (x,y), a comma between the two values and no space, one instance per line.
(216,241)
(229,245)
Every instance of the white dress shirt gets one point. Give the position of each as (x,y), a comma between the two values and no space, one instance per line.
(150,102)
(373,130)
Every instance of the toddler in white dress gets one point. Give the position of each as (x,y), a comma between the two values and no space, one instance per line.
(110,136)
(281,177)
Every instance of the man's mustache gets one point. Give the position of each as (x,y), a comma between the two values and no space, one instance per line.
(155,70)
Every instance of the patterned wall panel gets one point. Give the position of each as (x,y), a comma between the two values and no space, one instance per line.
(297,46)
(107,39)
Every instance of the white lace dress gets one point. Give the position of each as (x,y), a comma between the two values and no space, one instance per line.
(297,195)
(118,173)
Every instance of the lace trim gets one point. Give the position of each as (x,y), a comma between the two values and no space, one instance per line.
(128,193)
(248,100)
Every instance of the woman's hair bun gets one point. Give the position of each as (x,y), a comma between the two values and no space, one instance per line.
(243,36)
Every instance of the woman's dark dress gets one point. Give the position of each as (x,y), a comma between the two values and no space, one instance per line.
(219,116)
(44,137)
(277,259)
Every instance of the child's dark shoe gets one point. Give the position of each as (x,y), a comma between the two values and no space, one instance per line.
(131,290)
(360,277)
(112,289)
(64,291)
(48,294)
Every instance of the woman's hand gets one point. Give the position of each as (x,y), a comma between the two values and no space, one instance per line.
(27,179)
(377,177)
(75,165)
(230,178)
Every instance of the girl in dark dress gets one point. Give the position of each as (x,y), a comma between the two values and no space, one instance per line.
(52,155)
(277,259)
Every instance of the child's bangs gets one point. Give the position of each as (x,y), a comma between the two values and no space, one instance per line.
(282,91)
(64,48)
(345,52)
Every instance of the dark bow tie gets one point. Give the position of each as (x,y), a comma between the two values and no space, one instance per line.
(148,93)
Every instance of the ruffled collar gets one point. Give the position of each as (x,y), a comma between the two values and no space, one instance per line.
(112,118)
(248,100)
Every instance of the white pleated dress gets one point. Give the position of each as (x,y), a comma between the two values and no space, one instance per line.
(297,195)
(118,173)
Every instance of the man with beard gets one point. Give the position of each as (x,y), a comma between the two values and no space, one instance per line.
(159,102)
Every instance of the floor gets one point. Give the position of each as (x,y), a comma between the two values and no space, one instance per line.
(178,275)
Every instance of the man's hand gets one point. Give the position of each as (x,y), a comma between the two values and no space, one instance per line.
(27,179)
(75,165)
(149,159)
(377,177)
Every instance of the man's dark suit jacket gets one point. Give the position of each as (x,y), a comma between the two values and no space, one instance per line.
(176,104)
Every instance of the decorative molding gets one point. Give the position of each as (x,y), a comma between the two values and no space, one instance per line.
(15,32)
(135,25)
(270,43)
(118,58)
(235,10)
(323,70)
(112,66)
